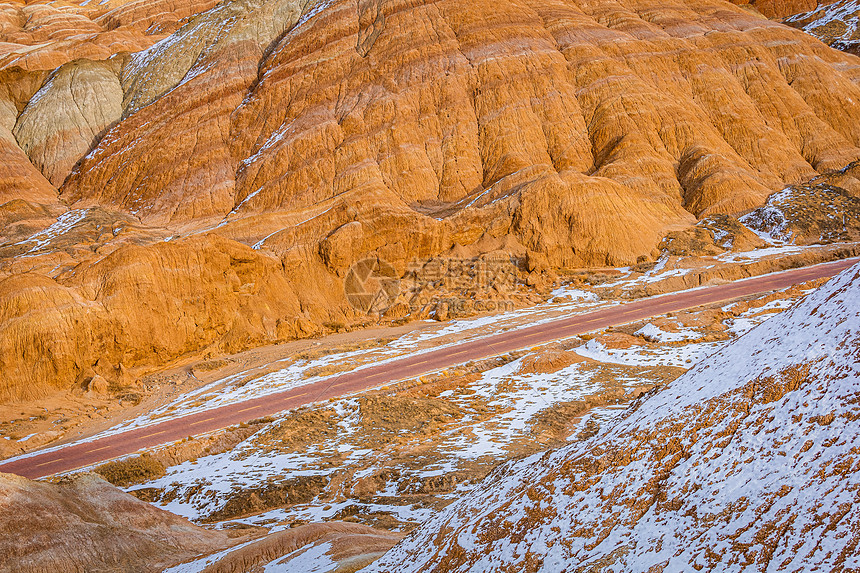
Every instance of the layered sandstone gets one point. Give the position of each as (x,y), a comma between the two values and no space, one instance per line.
(140,306)
(86,524)
(68,115)
(43,36)
(333,546)
(352,115)
(300,137)
(83,44)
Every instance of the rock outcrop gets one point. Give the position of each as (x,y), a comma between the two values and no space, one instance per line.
(347,113)
(818,213)
(68,115)
(746,462)
(44,36)
(834,23)
(72,51)
(86,524)
(146,305)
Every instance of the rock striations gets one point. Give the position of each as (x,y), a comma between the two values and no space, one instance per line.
(277,142)
(45,35)
(748,462)
(493,112)
(86,524)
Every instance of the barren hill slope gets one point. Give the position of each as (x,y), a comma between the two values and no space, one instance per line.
(86,524)
(274,143)
(748,462)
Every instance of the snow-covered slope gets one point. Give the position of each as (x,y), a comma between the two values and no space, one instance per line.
(748,462)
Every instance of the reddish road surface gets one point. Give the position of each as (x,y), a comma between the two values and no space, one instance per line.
(83,454)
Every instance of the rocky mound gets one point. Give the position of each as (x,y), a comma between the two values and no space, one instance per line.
(86,524)
(806,214)
(275,143)
(337,547)
(747,462)
(823,210)
(275,138)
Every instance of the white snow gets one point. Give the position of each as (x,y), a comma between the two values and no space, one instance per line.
(313,559)
(655,334)
(64,223)
(565,293)
(681,356)
(199,565)
(845,12)
(750,467)
(656,274)
(203,486)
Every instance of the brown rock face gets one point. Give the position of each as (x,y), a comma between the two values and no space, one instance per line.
(82,98)
(141,306)
(151,16)
(97,385)
(68,116)
(20,179)
(345,547)
(324,133)
(42,36)
(86,524)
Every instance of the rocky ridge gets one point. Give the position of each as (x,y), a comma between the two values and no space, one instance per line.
(396,456)
(337,547)
(82,523)
(746,461)
(376,459)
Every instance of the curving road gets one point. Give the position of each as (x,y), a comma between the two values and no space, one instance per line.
(83,454)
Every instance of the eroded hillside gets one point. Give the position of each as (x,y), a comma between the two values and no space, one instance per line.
(176,176)
(86,524)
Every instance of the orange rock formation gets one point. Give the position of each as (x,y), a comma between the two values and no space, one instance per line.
(323,132)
